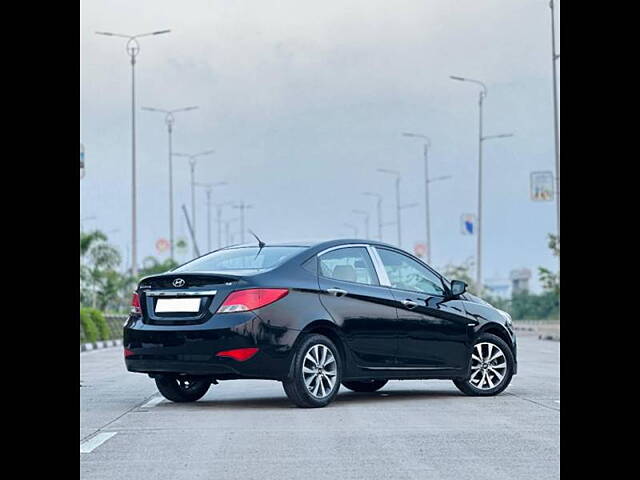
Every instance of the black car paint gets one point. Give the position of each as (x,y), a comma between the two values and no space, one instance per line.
(377,336)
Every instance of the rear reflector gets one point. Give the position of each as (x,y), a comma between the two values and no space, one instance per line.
(239,354)
(127,353)
(135,303)
(251,299)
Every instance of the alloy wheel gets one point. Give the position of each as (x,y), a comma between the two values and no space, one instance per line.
(488,366)
(319,371)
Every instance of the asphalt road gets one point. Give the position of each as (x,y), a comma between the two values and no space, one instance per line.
(248,429)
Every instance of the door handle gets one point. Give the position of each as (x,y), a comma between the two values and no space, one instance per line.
(337,292)
(410,304)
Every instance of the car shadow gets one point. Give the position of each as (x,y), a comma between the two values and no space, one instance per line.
(343,397)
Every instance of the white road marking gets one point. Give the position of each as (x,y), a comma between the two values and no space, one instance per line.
(94,442)
(153,402)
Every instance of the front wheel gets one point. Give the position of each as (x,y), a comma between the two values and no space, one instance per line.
(316,373)
(182,389)
(370,386)
(491,367)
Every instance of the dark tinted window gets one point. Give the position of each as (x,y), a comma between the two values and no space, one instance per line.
(350,264)
(243,258)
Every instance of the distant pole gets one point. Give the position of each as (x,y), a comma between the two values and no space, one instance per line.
(209,188)
(169,120)
(398,206)
(556,124)
(353,227)
(242,207)
(379,211)
(366,221)
(219,221)
(192,165)
(133,48)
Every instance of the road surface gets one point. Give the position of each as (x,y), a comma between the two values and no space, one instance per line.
(247,429)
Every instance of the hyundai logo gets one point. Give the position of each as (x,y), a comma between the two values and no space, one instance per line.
(178,282)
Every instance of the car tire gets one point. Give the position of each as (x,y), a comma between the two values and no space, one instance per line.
(182,389)
(308,383)
(484,348)
(370,386)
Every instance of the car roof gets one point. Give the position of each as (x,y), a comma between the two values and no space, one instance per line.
(316,243)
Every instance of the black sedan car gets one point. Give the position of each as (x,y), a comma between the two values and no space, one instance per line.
(314,316)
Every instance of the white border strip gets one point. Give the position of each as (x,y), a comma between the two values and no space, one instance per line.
(94,442)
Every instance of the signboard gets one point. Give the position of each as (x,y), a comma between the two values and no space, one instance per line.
(181,245)
(420,250)
(542,186)
(162,245)
(81,160)
(468,224)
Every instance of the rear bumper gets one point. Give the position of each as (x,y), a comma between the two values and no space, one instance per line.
(192,349)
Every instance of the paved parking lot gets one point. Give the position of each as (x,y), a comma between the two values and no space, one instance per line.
(248,429)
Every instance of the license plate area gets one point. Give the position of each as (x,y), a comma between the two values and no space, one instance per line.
(178,305)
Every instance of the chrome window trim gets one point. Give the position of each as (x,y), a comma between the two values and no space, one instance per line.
(180,293)
(379,266)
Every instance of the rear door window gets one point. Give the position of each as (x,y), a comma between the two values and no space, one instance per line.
(349,264)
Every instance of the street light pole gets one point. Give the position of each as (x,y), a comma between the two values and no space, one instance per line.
(379,209)
(366,221)
(556,127)
(192,166)
(242,206)
(169,120)
(219,221)
(398,207)
(208,188)
(133,48)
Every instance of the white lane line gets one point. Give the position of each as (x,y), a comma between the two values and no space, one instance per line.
(94,442)
(153,402)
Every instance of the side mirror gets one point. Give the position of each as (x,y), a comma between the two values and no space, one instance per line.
(458,287)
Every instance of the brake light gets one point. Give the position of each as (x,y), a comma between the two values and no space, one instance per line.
(251,299)
(135,304)
(239,354)
(127,353)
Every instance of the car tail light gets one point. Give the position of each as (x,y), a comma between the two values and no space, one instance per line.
(239,354)
(246,300)
(127,353)
(135,304)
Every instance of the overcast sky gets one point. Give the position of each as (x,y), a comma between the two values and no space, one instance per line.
(303,101)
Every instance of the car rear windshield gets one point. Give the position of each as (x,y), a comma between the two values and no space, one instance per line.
(242,258)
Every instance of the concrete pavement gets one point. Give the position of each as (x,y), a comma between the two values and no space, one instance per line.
(248,429)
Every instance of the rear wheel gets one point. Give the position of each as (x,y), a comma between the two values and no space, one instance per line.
(316,374)
(369,386)
(491,367)
(182,389)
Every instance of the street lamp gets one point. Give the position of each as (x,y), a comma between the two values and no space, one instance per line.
(192,165)
(169,120)
(366,221)
(208,187)
(379,208)
(481,139)
(427,181)
(133,48)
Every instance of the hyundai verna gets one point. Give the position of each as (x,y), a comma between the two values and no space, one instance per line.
(314,316)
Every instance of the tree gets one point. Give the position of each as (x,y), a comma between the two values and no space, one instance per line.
(461,272)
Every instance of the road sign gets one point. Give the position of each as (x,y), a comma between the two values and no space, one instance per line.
(81,160)
(420,250)
(181,245)
(542,186)
(468,224)
(162,245)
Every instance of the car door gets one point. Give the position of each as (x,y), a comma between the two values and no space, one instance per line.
(365,310)
(434,331)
